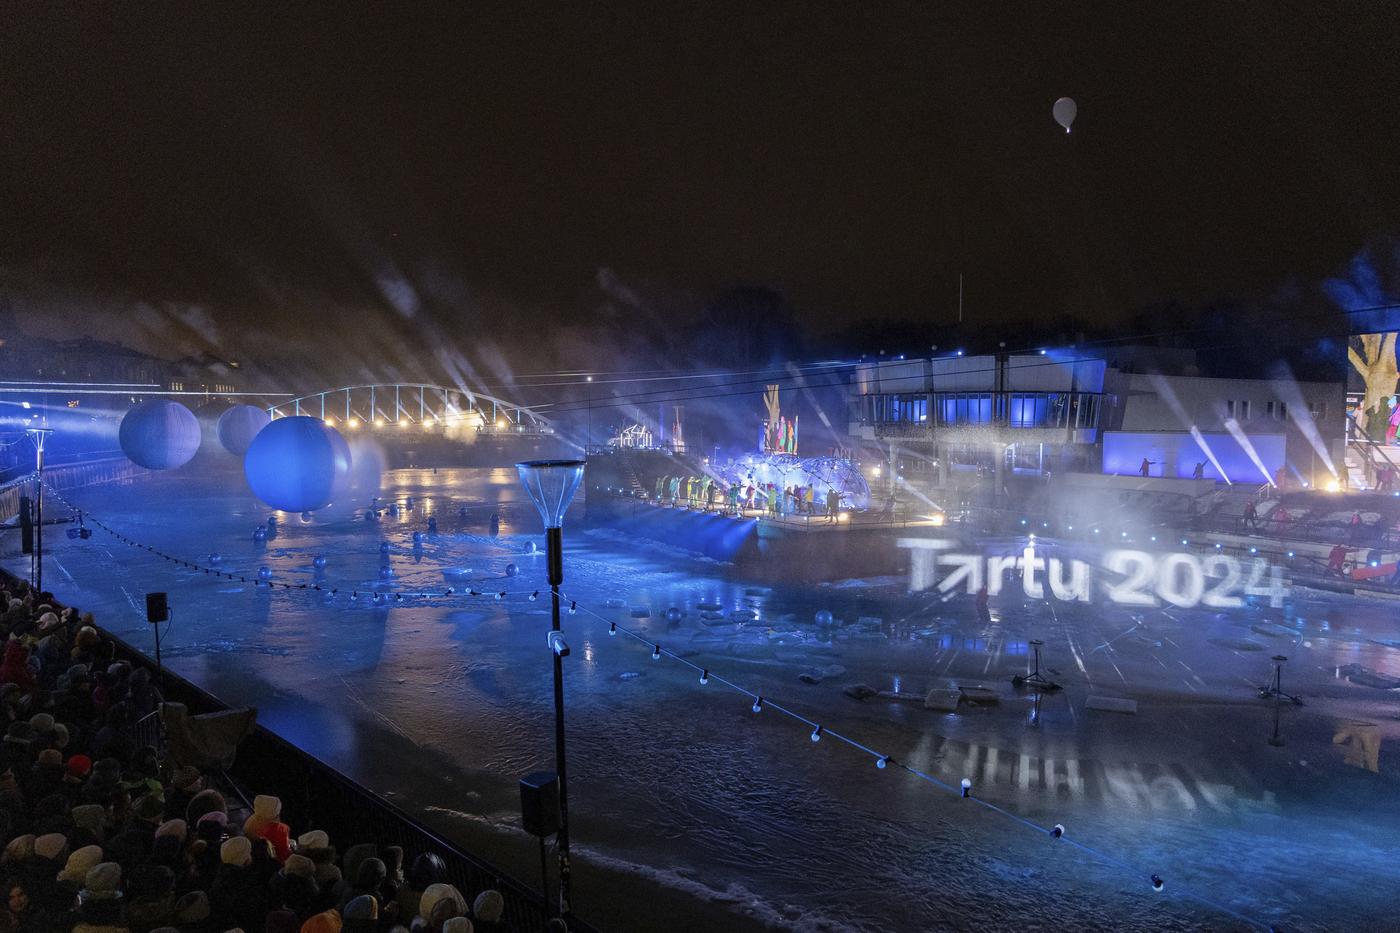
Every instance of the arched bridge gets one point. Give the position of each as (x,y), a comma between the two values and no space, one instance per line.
(401,406)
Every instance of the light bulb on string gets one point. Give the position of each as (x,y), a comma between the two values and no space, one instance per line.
(758,705)
(817,734)
(612,628)
(705,676)
(882,761)
(656,652)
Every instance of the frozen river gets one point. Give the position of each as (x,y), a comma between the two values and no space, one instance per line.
(681,796)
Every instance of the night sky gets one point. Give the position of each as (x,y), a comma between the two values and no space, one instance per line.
(178,174)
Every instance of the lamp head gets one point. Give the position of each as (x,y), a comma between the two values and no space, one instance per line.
(551,485)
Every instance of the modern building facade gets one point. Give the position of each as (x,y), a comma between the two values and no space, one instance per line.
(1070,411)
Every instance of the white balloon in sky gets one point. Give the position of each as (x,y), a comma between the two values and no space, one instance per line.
(1064,111)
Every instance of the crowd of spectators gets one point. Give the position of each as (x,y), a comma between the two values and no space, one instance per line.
(105,835)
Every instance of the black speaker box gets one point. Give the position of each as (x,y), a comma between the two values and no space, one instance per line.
(157,609)
(539,803)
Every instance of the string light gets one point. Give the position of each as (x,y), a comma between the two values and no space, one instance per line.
(966,788)
(1058,830)
(704,676)
(758,705)
(656,655)
(612,628)
(882,761)
(817,734)
(1157,883)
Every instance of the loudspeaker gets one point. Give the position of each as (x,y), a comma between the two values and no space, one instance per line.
(157,610)
(26,527)
(539,803)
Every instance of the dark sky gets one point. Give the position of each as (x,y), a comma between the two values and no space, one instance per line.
(415,171)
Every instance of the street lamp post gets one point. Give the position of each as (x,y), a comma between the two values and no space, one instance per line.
(551,485)
(40,435)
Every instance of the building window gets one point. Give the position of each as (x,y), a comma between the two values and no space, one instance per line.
(964,409)
(177,387)
(1244,409)
(1318,409)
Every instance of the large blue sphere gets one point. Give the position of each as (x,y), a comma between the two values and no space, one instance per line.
(295,463)
(238,426)
(159,434)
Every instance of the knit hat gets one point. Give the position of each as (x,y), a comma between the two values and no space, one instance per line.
(370,875)
(192,907)
(363,907)
(42,723)
(457,925)
(316,839)
(439,892)
(489,906)
(177,828)
(104,882)
(52,846)
(51,758)
(300,865)
(92,817)
(18,849)
(79,863)
(267,807)
(328,922)
(60,736)
(79,766)
(206,801)
(215,818)
(19,733)
(186,778)
(236,851)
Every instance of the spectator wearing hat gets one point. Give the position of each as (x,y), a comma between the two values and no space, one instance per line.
(185,783)
(193,913)
(487,910)
(236,898)
(100,901)
(427,869)
(152,898)
(80,862)
(361,915)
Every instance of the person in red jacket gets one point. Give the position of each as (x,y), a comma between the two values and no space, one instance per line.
(15,668)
